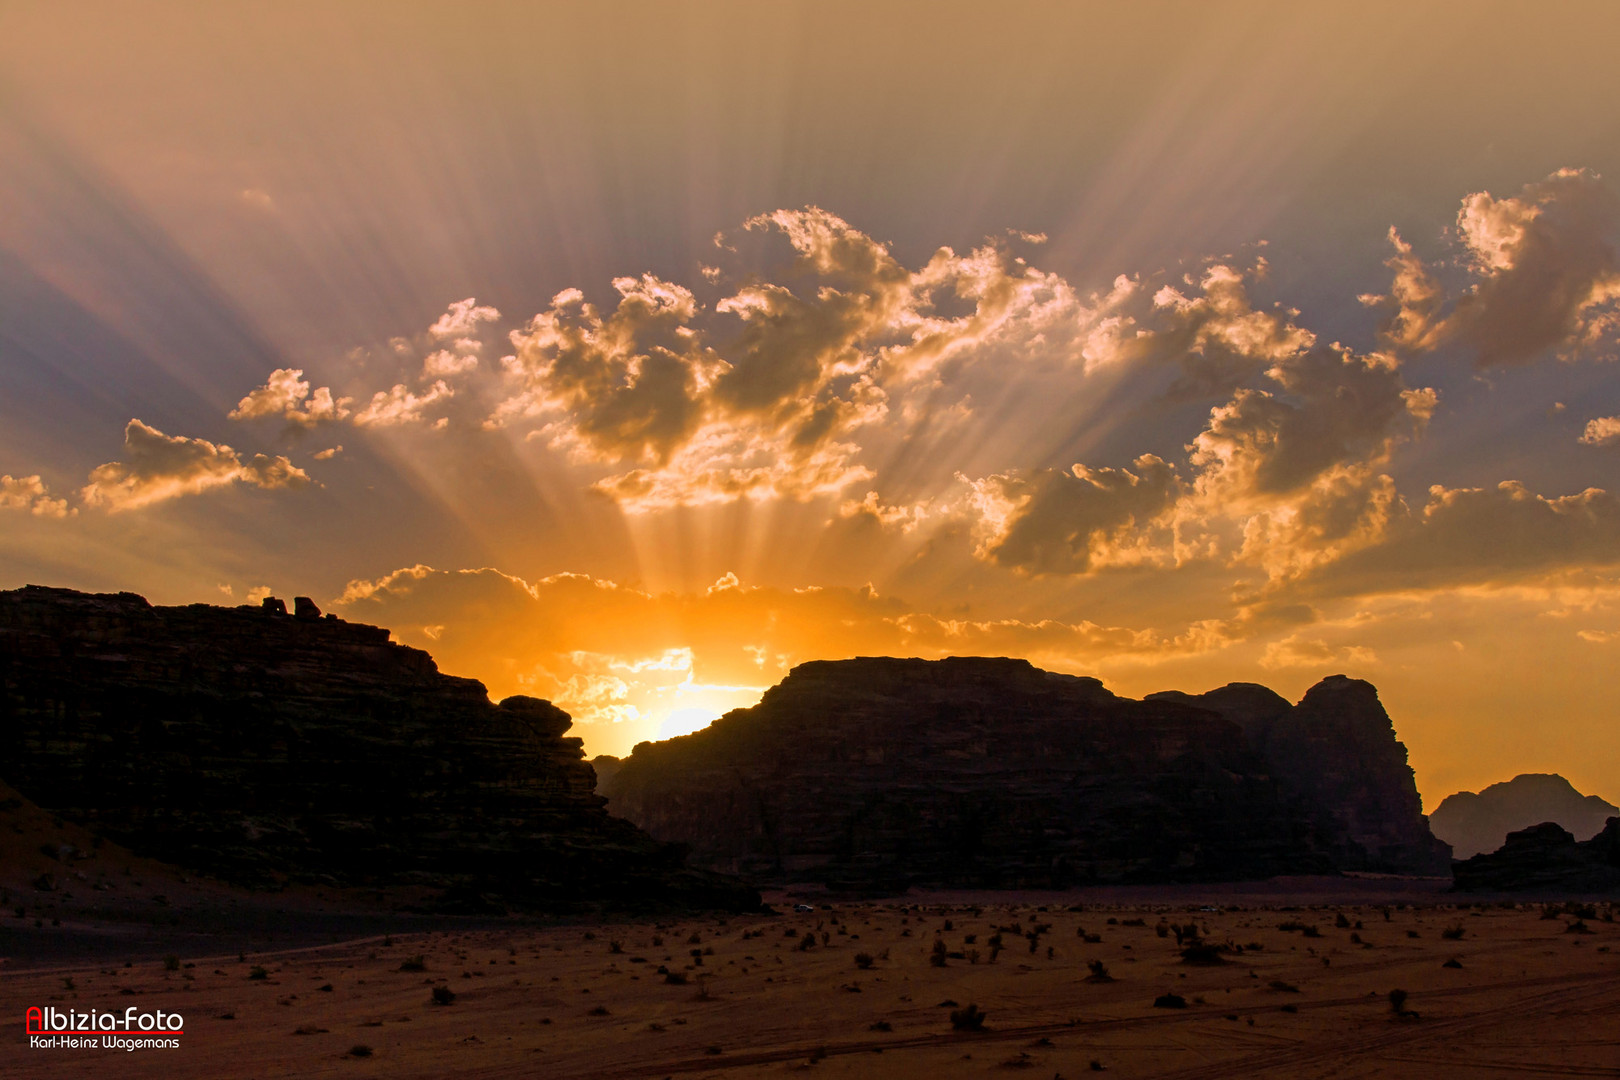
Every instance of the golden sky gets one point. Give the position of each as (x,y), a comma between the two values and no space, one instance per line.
(630,357)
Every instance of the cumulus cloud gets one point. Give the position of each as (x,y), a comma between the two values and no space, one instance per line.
(286,394)
(159,467)
(29,493)
(1543,277)
(1480,537)
(462,320)
(401,404)
(1603,431)
(1071,521)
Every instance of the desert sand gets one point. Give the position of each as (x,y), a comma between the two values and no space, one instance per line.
(1298,985)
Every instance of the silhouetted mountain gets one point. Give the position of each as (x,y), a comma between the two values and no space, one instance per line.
(259,746)
(1546,857)
(987,771)
(1474,822)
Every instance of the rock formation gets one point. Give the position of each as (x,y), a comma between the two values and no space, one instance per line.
(1546,857)
(1478,822)
(978,771)
(260,747)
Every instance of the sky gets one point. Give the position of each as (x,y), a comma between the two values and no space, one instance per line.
(629,357)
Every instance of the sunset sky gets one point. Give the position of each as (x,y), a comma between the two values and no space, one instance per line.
(628,357)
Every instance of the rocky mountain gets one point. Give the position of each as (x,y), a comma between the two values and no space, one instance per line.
(1548,858)
(261,747)
(981,771)
(1475,822)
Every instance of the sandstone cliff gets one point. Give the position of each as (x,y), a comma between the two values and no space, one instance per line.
(976,771)
(1474,822)
(1548,858)
(260,747)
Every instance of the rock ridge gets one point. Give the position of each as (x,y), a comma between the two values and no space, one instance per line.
(985,771)
(263,747)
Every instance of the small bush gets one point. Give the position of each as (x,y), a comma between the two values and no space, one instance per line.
(807,942)
(1397,1002)
(968,1018)
(1099,972)
(881,1025)
(1169,1001)
(1454,932)
(863,960)
(937,957)
(615,947)
(414,963)
(359,1050)
(443,995)
(171,963)
(674,978)
(257,972)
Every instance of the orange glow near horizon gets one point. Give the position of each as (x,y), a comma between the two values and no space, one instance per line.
(1177,348)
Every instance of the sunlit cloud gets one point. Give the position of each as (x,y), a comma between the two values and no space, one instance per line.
(1543,277)
(28,493)
(159,467)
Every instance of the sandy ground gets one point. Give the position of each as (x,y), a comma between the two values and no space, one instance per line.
(763,996)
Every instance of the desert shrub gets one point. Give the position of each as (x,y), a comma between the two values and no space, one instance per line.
(674,978)
(1202,955)
(807,942)
(414,963)
(1169,1001)
(881,1025)
(171,963)
(1099,972)
(1397,1002)
(1454,932)
(600,1010)
(937,957)
(443,995)
(359,1050)
(258,972)
(615,947)
(1341,922)
(968,1018)
(863,960)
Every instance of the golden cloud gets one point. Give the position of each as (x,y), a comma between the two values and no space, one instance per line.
(159,467)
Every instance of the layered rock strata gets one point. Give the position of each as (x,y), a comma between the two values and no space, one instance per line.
(261,747)
(990,772)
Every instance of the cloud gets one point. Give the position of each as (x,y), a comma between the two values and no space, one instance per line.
(29,493)
(1480,537)
(401,405)
(1218,337)
(1603,431)
(286,394)
(1542,277)
(617,386)
(1054,521)
(462,319)
(1296,650)
(159,467)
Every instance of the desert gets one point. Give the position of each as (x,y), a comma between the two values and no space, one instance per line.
(1291,978)
(911,539)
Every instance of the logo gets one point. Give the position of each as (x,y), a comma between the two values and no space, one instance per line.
(50,1028)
